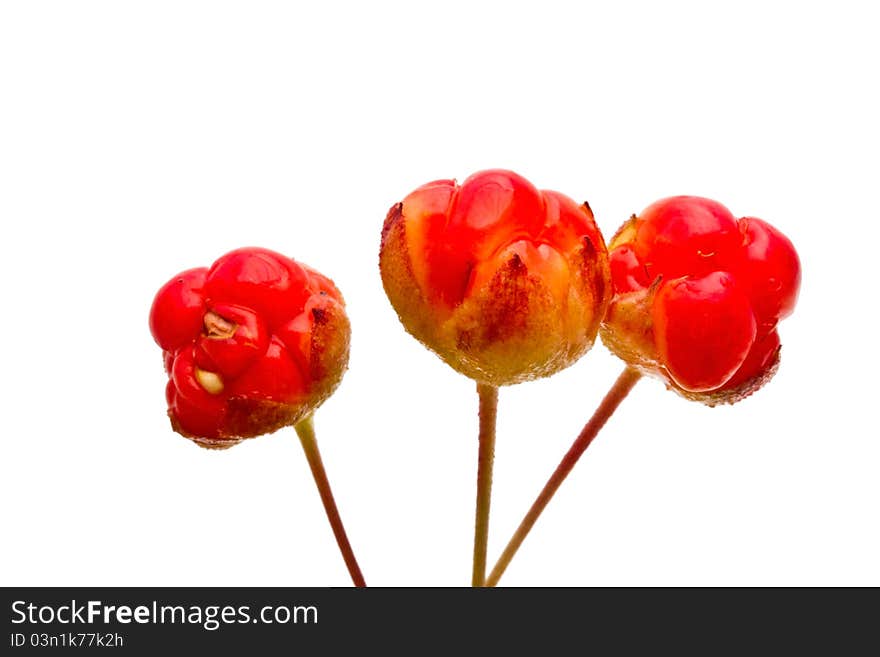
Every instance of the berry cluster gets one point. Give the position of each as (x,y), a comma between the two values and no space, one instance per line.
(506,283)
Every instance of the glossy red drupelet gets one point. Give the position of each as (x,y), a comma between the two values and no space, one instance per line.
(505,282)
(253,343)
(698,295)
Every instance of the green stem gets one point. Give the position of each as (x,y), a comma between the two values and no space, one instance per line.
(488,413)
(306,432)
(618,392)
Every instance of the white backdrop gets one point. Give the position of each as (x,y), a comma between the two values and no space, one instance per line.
(139,139)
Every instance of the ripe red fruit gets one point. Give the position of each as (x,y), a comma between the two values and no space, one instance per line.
(504,282)
(253,343)
(769,269)
(698,295)
(704,328)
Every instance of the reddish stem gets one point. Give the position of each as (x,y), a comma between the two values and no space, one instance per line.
(306,432)
(488,413)
(618,392)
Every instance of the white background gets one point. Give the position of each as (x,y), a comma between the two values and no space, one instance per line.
(139,139)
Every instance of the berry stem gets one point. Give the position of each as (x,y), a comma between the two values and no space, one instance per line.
(306,432)
(616,394)
(488,412)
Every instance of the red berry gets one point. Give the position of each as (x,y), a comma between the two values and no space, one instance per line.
(274,377)
(697,296)
(704,328)
(565,222)
(686,235)
(268,282)
(627,272)
(195,410)
(504,281)
(226,332)
(770,268)
(485,212)
(762,356)
(178,308)
(232,339)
